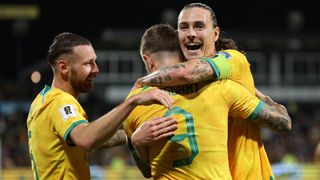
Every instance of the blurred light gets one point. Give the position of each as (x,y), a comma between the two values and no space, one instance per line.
(19,11)
(35,77)
(169,16)
(295,20)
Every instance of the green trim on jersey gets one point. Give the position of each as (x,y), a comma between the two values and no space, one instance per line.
(144,88)
(220,65)
(72,126)
(34,166)
(256,112)
(45,90)
(214,67)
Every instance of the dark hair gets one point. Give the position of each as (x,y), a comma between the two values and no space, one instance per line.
(160,37)
(63,43)
(203,6)
(222,42)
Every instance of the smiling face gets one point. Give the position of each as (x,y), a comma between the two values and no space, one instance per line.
(83,68)
(197,34)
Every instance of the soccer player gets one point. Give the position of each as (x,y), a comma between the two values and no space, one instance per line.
(199,36)
(58,130)
(198,150)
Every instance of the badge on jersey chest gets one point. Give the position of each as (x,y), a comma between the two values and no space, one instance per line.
(67,111)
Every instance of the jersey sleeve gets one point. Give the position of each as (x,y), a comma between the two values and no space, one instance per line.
(242,104)
(131,123)
(67,113)
(128,127)
(240,69)
(220,65)
(232,64)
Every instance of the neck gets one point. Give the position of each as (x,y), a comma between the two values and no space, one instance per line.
(64,86)
(211,53)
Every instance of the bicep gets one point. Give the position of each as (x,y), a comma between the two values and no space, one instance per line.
(74,136)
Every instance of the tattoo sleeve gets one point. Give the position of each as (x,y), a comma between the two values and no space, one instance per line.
(119,138)
(143,166)
(274,116)
(180,74)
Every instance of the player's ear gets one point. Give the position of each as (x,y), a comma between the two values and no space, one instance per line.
(149,62)
(216,34)
(62,66)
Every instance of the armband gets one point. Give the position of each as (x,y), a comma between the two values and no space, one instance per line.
(220,65)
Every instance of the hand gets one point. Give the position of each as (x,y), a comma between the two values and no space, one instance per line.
(154,130)
(154,96)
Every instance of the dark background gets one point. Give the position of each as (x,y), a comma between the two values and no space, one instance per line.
(90,18)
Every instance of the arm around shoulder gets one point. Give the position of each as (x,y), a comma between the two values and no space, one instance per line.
(188,72)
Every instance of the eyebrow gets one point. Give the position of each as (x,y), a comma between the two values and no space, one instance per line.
(195,22)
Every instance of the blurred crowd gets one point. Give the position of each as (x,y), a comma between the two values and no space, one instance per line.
(298,145)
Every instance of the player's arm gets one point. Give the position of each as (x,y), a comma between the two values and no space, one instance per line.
(259,94)
(280,120)
(274,116)
(218,66)
(193,71)
(149,132)
(188,72)
(92,135)
(140,156)
(118,139)
(265,112)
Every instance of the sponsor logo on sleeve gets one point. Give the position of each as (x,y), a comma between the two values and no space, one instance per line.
(67,111)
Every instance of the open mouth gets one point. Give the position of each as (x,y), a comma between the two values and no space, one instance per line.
(193,46)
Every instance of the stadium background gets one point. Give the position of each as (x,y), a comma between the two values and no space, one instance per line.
(282,41)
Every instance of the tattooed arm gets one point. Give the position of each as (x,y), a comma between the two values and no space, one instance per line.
(179,74)
(274,116)
(140,156)
(118,139)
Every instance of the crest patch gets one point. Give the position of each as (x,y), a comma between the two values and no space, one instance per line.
(67,111)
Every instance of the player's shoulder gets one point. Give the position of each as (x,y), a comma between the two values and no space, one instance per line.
(139,90)
(227,83)
(231,52)
(53,95)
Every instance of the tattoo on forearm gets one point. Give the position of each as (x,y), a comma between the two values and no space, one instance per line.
(144,167)
(202,71)
(274,117)
(167,78)
(269,101)
(151,79)
(119,138)
(177,66)
(199,72)
(162,76)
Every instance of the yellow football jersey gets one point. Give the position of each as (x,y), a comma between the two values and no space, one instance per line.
(52,116)
(247,156)
(198,150)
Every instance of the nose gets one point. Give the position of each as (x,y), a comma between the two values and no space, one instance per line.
(191,33)
(95,69)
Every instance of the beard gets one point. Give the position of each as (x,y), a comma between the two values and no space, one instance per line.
(81,85)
